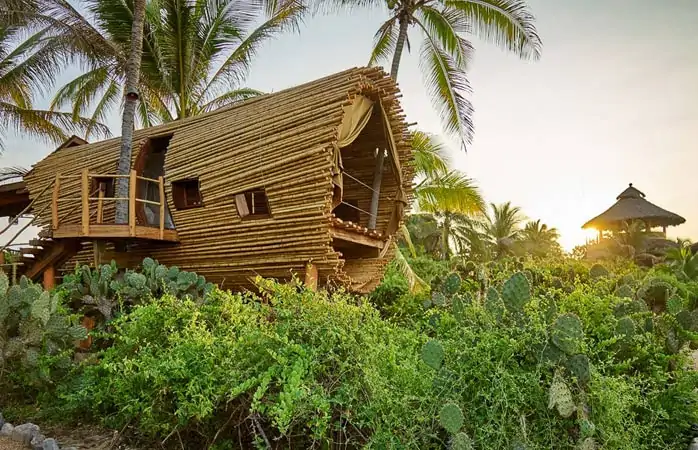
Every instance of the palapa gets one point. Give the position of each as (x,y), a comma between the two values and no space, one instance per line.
(630,206)
(257,188)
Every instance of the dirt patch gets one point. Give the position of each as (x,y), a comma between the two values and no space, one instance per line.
(86,437)
(9,444)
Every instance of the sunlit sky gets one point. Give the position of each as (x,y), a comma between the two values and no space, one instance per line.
(613,100)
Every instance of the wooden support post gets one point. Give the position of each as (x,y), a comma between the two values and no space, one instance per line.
(100,205)
(54,202)
(161,186)
(664,230)
(97,252)
(2,259)
(375,198)
(311,276)
(49,278)
(85,194)
(132,203)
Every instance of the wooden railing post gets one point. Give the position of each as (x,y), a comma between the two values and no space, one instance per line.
(132,203)
(161,186)
(100,205)
(85,202)
(54,202)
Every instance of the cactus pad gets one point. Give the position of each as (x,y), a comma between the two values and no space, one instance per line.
(674,305)
(41,308)
(625,327)
(438,299)
(586,428)
(461,441)
(452,284)
(560,397)
(685,320)
(493,304)
(567,333)
(624,291)
(578,365)
(458,303)
(433,354)
(598,271)
(451,417)
(516,292)
(587,444)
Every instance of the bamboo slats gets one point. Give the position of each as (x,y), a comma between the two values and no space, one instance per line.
(281,143)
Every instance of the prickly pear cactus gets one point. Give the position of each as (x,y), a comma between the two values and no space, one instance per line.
(451,418)
(461,441)
(433,354)
(494,304)
(516,292)
(625,327)
(587,444)
(578,365)
(674,305)
(624,291)
(560,397)
(687,320)
(459,303)
(567,333)
(586,428)
(598,271)
(438,299)
(31,326)
(452,284)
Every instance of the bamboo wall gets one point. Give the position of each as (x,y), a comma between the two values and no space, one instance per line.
(281,142)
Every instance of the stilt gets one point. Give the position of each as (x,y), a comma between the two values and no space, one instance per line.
(89,324)
(311,276)
(98,251)
(50,278)
(377,180)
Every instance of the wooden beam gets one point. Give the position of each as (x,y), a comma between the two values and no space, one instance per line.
(85,195)
(100,205)
(161,186)
(375,197)
(107,231)
(311,276)
(50,277)
(54,201)
(356,238)
(132,202)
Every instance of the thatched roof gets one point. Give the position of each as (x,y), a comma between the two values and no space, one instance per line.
(632,205)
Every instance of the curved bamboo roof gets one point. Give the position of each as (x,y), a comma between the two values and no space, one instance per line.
(632,205)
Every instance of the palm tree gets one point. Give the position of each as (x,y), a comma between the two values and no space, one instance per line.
(539,240)
(133,69)
(502,226)
(26,67)
(194,53)
(445,54)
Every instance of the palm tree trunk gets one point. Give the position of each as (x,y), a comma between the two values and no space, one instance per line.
(445,236)
(380,157)
(133,69)
(399,46)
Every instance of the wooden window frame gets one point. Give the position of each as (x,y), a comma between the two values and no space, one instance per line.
(179,194)
(109,191)
(249,201)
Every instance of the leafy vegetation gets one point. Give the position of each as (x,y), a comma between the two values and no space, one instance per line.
(508,354)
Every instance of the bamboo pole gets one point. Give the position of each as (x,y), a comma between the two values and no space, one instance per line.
(85,202)
(161,187)
(100,206)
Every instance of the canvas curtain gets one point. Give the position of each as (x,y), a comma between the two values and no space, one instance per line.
(356,116)
(401,198)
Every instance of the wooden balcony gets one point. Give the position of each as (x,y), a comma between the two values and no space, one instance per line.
(92,224)
(346,233)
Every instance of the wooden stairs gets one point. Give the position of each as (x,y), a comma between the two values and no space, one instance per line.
(43,255)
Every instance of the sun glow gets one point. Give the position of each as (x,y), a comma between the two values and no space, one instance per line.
(573,235)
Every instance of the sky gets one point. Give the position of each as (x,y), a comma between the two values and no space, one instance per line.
(613,100)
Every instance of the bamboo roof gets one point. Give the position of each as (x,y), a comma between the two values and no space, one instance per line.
(632,205)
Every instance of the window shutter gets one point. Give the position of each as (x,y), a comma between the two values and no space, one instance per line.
(241,204)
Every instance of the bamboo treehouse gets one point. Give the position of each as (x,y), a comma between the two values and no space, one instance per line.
(282,184)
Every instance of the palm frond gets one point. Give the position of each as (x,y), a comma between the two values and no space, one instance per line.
(448,86)
(507,23)
(11,173)
(415,283)
(405,235)
(451,192)
(444,27)
(430,156)
(384,41)
(230,98)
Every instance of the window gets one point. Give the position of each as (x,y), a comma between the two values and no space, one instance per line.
(348,211)
(103,184)
(186,194)
(253,203)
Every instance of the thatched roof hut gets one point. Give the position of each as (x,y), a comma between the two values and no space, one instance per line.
(630,206)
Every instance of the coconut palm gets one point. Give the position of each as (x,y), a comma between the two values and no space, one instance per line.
(195,54)
(538,239)
(445,53)
(29,65)
(502,226)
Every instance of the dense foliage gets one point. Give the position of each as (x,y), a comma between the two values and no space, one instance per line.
(508,354)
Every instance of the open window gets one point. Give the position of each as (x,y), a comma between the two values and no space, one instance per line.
(253,204)
(186,194)
(102,187)
(348,211)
